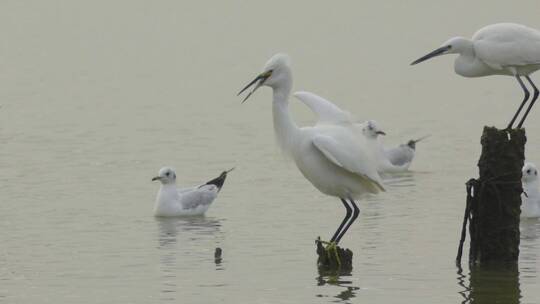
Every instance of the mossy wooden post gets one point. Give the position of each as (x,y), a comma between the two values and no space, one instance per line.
(495,204)
(336,261)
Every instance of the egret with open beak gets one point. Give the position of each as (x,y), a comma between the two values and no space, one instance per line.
(258,81)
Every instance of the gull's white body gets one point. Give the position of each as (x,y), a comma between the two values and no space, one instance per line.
(329,113)
(530,199)
(329,155)
(174,201)
(401,155)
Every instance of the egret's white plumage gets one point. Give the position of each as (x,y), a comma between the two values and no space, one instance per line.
(397,159)
(173,201)
(326,111)
(328,154)
(497,49)
(530,199)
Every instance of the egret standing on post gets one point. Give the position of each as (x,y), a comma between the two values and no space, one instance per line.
(328,155)
(497,49)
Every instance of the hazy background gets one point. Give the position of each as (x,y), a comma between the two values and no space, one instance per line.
(97,96)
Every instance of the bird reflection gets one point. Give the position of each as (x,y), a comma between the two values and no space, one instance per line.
(529,245)
(399,179)
(187,229)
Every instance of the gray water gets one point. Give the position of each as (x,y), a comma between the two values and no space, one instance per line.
(96,97)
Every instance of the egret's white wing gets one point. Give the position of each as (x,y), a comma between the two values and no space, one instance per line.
(507,44)
(326,110)
(350,159)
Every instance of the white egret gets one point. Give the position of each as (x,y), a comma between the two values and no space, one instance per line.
(173,201)
(498,49)
(329,155)
(530,199)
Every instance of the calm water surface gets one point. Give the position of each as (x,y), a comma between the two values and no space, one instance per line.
(97,96)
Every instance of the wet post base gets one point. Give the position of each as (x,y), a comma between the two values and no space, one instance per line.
(333,260)
(494,199)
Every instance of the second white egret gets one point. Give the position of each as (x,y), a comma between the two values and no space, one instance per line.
(498,49)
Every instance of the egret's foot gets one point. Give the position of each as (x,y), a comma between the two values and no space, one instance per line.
(332,250)
(333,258)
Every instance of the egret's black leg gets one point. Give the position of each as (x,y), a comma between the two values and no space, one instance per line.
(535,96)
(356,212)
(347,216)
(522,104)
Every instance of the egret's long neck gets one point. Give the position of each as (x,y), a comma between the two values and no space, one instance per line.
(466,47)
(466,63)
(285,128)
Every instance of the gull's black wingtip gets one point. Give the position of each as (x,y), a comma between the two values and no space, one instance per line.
(220,180)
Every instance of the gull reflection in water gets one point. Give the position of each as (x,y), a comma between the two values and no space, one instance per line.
(173,231)
(529,246)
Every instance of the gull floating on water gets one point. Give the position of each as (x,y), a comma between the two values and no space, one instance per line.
(173,201)
(498,49)
(403,154)
(530,199)
(329,155)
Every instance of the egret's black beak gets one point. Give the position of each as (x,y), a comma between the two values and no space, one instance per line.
(380,133)
(435,53)
(261,79)
(156,178)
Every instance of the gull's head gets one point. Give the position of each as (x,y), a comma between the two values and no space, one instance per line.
(371,129)
(276,73)
(453,45)
(166,175)
(529,173)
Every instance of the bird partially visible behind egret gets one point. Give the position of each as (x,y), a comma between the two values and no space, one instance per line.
(328,155)
(498,49)
(389,160)
(530,198)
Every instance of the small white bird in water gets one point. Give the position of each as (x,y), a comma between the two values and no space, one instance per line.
(396,159)
(173,201)
(498,49)
(329,155)
(530,199)
(403,154)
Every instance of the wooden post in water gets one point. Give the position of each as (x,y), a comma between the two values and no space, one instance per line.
(494,199)
(335,261)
